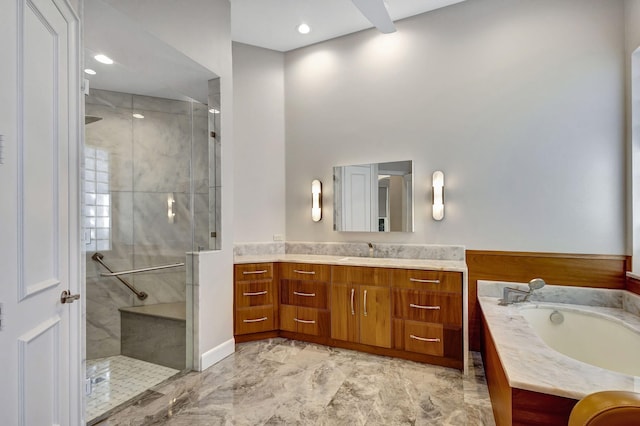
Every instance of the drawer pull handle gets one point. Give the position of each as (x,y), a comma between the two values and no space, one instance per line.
(353,311)
(433,308)
(423,339)
(264,271)
(257,293)
(255,320)
(418,280)
(304,272)
(297,293)
(304,321)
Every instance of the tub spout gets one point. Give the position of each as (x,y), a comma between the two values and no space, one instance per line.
(521,295)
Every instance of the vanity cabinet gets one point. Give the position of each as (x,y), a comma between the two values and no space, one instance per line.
(414,314)
(254,297)
(304,298)
(361,305)
(427,312)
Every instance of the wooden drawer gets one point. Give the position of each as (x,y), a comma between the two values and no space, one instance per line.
(427,280)
(308,321)
(255,320)
(253,271)
(311,294)
(424,338)
(305,271)
(417,305)
(361,275)
(304,320)
(254,293)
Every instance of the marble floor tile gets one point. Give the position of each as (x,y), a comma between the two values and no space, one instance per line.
(117,379)
(286,382)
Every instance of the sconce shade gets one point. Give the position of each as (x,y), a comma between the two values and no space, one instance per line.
(438,195)
(316,200)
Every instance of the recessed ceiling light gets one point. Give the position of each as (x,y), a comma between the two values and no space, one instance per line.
(304,29)
(103,59)
(214,111)
(90,71)
(136,115)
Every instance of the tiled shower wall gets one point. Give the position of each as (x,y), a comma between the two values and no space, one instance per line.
(140,163)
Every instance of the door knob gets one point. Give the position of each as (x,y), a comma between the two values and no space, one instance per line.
(67,297)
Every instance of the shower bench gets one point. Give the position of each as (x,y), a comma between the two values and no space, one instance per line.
(155,333)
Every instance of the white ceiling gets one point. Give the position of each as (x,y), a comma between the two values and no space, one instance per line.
(272,24)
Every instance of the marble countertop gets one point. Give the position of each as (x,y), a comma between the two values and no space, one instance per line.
(386,262)
(532,365)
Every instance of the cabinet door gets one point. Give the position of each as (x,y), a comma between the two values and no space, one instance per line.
(344,312)
(375,316)
(287,318)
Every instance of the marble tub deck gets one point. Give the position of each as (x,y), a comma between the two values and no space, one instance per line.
(530,364)
(280,381)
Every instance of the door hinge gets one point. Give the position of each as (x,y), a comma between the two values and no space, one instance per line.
(1,316)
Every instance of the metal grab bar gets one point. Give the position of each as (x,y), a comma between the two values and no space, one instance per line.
(97,257)
(135,271)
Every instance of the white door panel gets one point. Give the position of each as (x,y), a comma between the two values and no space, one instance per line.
(40,357)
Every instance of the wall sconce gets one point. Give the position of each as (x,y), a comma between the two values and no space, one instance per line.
(438,195)
(171,201)
(316,200)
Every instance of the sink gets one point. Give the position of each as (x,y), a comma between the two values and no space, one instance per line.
(360,260)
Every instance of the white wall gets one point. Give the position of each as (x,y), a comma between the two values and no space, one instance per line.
(521,104)
(202,31)
(258,117)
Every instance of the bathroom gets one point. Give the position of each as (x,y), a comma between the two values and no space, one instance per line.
(525,107)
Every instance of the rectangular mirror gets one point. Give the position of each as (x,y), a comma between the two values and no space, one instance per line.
(375,197)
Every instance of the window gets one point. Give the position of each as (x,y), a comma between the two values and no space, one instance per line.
(97,200)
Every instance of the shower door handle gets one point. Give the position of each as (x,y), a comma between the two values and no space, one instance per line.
(67,297)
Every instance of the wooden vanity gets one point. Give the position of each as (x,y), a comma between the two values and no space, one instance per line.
(400,309)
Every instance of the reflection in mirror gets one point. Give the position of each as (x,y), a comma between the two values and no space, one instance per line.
(374,197)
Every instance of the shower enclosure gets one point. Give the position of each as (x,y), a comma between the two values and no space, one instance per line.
(150,197)
(151,189)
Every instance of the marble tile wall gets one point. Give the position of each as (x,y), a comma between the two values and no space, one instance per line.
(361,249)
(562,294)
(253,249)
(150,160)
(631,303)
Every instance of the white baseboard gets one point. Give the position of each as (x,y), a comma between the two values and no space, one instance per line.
(217,354)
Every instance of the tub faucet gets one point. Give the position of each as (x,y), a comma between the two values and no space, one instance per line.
(521,295)
(371,253)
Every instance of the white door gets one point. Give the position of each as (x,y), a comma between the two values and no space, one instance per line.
(40,339)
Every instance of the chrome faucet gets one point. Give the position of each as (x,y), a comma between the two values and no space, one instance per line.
(521,295)
(371,253)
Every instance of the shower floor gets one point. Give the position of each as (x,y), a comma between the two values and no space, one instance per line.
(117,379)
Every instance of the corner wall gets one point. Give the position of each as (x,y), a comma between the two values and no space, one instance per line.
(521,104)
(258,115)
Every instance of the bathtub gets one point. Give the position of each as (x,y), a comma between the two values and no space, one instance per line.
(591,337)
(527,377)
